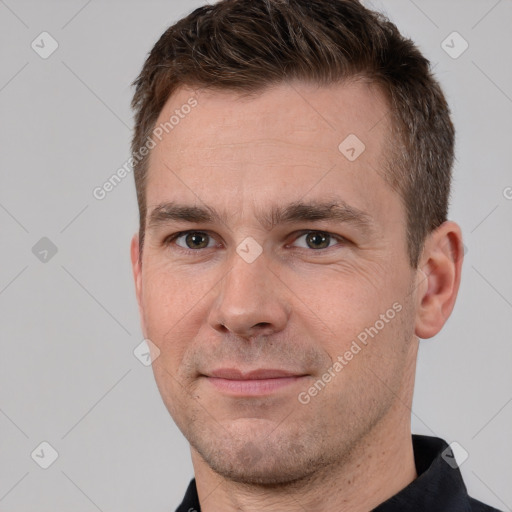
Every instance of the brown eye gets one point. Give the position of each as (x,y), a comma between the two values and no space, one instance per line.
(194,240)
(318,240)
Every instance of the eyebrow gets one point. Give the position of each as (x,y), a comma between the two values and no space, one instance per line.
(295,212)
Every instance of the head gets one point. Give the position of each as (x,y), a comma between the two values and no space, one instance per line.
(293,215)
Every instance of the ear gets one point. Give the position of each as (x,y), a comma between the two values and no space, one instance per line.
(137,277)
(439,276)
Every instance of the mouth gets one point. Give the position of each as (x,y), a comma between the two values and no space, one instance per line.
(233,382)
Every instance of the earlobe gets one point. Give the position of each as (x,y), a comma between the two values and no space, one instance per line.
(438,279)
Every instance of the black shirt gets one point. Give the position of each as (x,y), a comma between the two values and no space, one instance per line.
(438,488)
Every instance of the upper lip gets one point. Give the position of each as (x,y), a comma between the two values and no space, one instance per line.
(263,373)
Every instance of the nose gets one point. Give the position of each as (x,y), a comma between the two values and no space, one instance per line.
(251,300)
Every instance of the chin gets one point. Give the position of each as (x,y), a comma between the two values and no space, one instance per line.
(273,462)
(267,472)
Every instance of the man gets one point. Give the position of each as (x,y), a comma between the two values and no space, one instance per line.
(293,164)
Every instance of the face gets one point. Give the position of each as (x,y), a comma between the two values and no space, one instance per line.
(274,278)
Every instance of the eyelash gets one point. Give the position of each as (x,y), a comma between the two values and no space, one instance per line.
(172,238)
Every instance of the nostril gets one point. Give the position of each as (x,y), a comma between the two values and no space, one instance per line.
(262,324)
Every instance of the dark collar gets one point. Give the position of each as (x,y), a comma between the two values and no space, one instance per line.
(438,488)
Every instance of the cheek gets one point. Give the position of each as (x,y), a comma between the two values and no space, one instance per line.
(170,309)
(340,295)
(168,294)
(351,305)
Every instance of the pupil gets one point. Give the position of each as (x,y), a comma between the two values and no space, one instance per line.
(318,238)
(196,240)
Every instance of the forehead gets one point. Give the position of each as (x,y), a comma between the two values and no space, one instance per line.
(287,141)
(290,112)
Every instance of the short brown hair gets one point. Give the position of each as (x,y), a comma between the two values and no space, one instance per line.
(247,45)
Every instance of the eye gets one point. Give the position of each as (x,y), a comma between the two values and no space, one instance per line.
(192,240)
(317,240)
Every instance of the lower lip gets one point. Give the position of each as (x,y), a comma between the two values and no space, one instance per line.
(253,387)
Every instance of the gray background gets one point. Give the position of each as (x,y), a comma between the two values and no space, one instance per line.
(69,324)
